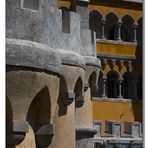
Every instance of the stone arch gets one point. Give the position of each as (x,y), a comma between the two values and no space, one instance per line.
(63,99)
(125,63)
(112,12)
(95,23)
(38,117)
(78,90)
(100,84)
(111,30)
(31,4)
(127,28)
(118,64)
(129,89)
(112,84)
(93,82)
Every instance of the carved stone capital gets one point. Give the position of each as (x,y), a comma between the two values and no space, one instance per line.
(16,132)
(79,101)
(86,85)
(43,135)
(68,97)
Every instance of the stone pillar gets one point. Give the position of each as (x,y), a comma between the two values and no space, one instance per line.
(119,31)
(104,86)
(64,126)
(120,88)
(135,32)
(103,29)
(84,123)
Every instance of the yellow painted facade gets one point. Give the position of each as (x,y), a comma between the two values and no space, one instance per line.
(116,49)
(116,111)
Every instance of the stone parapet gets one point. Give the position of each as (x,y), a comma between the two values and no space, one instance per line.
(118,129)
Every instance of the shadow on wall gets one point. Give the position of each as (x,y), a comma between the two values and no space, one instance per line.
(9,123)
(63,95)
(39,117)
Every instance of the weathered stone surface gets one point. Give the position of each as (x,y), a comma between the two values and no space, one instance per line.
(32,54)
(50,62)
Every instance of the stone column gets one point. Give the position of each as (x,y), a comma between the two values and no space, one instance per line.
(135,32)
(103,29)
(104,86)
(120,88)
(119,31)
(84,123)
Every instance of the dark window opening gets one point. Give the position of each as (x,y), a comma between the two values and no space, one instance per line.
(112,85)
(112,34)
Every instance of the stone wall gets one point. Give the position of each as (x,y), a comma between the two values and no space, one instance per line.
(51,74)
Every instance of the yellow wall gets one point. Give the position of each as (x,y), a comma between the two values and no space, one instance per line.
(104,10)
(65,3)
(117,111)
(116,49)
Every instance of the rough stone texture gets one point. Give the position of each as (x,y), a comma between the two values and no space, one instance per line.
(84,114)
(85,142)
(48,69)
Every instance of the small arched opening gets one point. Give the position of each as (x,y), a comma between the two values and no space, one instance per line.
(127,29)
(111,30)
(63,99)
(129,89)
(95,23)
(112,84)
(78,92)
(38,117)
(93,83)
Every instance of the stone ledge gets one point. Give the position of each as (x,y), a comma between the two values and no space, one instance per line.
(99,99)
(116,42)
(32,54)
(92,61)
(71,58)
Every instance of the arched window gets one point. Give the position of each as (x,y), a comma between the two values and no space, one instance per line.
(111,31)
(78,89)
(112,84)
(129,86)
(127,29)
(95,23)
